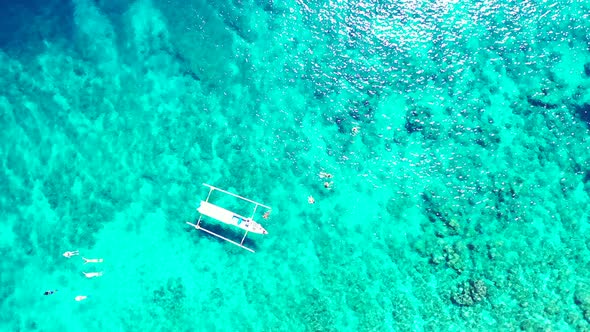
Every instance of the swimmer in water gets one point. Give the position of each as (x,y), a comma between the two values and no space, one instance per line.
(328,185)
(69,254)
(92,260)
(92,274)
(325,175)
(266,215)
(310,199)
(49,292)
(80,298)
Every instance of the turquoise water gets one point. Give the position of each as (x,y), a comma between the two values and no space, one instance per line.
(460,203)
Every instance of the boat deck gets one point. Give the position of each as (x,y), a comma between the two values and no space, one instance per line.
(230,218)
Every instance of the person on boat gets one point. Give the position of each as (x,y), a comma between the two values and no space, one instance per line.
(49,292)
(92,260)
(69,254)
(92,274)
(80,298)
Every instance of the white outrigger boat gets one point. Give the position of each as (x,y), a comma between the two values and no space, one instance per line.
(229,217)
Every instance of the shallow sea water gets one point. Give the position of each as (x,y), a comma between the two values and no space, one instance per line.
(461,202)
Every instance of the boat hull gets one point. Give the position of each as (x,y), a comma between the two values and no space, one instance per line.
(230,218)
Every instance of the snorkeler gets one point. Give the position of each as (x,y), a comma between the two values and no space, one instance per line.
(92,274)
(49,292)
(325,175)
(92,260)
(69,254)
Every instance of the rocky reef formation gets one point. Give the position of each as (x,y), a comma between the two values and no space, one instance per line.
(470,293)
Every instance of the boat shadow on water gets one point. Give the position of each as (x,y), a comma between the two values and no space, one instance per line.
(223,231)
